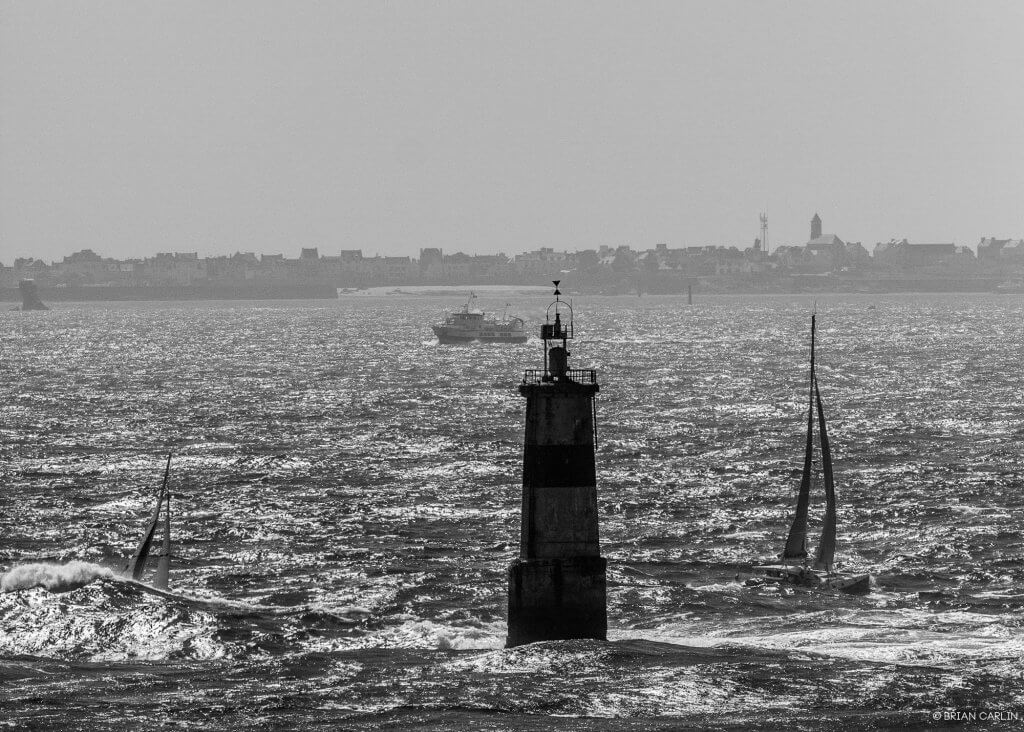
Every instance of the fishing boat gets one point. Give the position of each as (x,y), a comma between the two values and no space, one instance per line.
(470,324)
(137,564)
(821,574)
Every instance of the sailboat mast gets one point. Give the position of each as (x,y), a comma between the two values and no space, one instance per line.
(827,546)
(163,567)
(796,543)
(137,564)
(164,564)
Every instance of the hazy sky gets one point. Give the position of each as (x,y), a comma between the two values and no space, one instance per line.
(134,127)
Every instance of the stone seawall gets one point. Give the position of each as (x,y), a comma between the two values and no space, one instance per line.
(196,292)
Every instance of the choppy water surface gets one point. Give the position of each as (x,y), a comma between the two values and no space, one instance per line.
(346,502)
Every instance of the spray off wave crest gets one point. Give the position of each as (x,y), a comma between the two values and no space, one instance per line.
(53,577)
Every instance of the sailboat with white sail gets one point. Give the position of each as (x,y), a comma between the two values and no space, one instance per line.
(137,564)
(821,574)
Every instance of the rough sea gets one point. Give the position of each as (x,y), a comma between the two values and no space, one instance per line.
(346,503)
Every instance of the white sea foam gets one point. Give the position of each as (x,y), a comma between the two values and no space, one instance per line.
(936,642)
(53,577)
(423,634)
(101,623)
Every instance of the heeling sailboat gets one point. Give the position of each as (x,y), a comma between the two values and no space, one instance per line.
(822,574)
(137,564)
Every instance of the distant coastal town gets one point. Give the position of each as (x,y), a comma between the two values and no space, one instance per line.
(825,263)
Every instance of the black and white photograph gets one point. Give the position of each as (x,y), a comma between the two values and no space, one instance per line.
(494,366)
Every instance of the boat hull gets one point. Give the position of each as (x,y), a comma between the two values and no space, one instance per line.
(449,338)
(851,584)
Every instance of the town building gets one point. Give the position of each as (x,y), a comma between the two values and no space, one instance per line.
(903,254)
(1000,251)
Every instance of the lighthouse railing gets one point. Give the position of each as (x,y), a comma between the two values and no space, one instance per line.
(540,376)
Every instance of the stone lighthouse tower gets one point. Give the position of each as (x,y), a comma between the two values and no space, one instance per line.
(556,589)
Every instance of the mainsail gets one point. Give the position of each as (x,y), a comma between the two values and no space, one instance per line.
(827,545)
(796,544)
(137,564)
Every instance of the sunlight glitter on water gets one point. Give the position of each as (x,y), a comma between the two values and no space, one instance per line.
(355,504)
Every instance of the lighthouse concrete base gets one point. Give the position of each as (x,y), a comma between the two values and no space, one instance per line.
(556,599)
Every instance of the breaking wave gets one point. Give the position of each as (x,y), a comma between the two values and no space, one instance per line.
(53,577)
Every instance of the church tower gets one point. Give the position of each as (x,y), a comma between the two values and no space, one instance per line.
(815,227)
